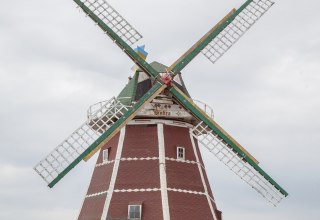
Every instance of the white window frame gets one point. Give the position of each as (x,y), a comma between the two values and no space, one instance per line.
(105,155)
(139,218)
(183,153)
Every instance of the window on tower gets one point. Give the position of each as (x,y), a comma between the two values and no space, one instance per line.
(180,153)
(105,155)
(134,212)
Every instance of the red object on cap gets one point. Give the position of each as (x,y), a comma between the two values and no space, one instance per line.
(166,79)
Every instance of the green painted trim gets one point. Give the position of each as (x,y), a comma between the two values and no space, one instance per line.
(178,67)
(180,97)
(198,114)
(144,65)
(129,90)
(115,126)
(136,78)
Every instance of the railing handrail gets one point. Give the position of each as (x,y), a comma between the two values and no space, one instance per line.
(207,109)
(93,108)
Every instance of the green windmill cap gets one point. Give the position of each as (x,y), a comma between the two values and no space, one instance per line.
(140,83)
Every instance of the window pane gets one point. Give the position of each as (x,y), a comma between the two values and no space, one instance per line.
(105,155)
(180,152)
(137,211)
(134,211)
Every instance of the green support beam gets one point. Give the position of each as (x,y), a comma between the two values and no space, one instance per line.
(158,87)
(113,130)
(144,65)
(189,105)
(195,50)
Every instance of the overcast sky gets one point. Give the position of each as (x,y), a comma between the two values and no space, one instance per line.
(55,63)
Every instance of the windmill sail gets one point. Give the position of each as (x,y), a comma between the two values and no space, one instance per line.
(242,20)
(117,28)
(226,149)
(106,13)
(89,137)
(106,122)
(236,163)
(72,147)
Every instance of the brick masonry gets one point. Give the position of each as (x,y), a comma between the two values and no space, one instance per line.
(138,179)
(93,206)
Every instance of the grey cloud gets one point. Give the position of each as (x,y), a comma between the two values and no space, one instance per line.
(265,91)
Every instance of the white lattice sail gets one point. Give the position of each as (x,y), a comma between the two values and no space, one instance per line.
(235,29)
(236,163)
(73,146)
(114,20)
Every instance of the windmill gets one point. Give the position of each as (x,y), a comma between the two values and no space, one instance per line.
(148,137)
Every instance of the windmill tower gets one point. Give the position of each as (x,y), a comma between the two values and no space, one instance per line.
(149,164)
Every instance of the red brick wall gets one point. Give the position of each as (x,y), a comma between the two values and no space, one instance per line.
(183,176)
(141,141)
(112,145)
(184,206)
(138,174)
(92,207)
(178,136)
(100,179)
(151,204)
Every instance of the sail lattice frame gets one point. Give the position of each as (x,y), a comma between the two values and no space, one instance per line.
(235,29)
(113,19)
(236,163)
(73,146)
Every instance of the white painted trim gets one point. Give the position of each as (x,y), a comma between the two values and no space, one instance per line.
(104,163)
(186,191)
(137,190)
(148,190)
(182,161)
(160,121)
(105,155)
(202,177)
(140,207)
(141,158)
(96,194)
(183,153)
(163,176)
(128,159)
(114,174)
(85,196)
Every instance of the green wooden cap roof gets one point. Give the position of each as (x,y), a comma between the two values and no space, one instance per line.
(128,94)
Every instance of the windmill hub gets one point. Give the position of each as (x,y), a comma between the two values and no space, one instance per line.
(166,78)
(149,165)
